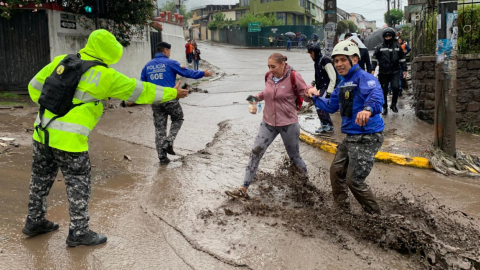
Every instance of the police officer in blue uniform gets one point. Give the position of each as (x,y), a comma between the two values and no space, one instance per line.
(163,71)
(359,98)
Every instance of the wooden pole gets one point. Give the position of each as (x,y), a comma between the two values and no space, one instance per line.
(446,77)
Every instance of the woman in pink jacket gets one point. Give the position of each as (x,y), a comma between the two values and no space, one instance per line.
(279,117)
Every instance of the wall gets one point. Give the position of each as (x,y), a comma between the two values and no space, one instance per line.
(229,14)
(468,90)
(173,34)
(65,41)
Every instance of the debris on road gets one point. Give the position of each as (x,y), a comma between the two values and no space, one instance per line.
(463,165)
(127,158)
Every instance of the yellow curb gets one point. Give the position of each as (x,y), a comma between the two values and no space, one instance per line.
(417,162)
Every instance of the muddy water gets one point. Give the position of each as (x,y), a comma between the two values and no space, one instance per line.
(177,217)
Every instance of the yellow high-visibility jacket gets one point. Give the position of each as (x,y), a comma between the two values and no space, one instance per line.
(70,132)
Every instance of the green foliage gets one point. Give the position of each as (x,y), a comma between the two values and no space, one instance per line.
(346,26)
(170,6)
(264,20)
(469,42)
(352,27)
(219,22)
(8,95)
(396,16)
(7,6)
(126,19)
(405,31)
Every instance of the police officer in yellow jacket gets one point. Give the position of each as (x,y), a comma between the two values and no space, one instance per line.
(68,135)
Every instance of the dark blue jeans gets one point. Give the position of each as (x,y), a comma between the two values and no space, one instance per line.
(195,64)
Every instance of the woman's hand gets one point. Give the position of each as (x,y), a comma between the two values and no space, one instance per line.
(312,91)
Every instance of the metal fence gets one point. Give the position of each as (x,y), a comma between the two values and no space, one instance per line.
(242,37)
(468,22)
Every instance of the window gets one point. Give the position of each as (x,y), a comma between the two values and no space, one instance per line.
(294,19)
(303,3)
(244,3)
(282,16)
(301,20)
(239,14)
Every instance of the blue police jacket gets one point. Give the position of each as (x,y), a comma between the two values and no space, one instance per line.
(163,71)
(357,90)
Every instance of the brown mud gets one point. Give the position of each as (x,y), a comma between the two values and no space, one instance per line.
(414,225)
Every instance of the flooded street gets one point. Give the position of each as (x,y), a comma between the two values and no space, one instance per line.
(178,216)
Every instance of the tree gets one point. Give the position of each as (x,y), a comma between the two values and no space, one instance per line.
(396,16)
(352,27)
(219,22)
(346,26)
(125,19)
(264,20)
(170,6)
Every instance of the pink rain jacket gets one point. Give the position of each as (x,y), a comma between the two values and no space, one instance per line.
(280,108)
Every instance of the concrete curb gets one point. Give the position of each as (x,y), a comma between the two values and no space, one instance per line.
(385,157)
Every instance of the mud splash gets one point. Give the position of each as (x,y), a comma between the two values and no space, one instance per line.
(416,226)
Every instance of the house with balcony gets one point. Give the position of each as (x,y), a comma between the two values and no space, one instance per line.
(203,15)
(290,12)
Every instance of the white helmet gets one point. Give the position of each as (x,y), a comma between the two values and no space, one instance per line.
(346,48)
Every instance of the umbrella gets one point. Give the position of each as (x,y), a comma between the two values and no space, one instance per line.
(374,39)
(290,34)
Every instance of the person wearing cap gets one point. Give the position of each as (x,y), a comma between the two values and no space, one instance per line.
(390,58)
(359,99)
(64,143)
(163,71)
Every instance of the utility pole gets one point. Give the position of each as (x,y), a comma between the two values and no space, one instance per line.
(388,12)
(446,77)
(330,25)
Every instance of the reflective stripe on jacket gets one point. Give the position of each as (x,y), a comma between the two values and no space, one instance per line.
(70,132)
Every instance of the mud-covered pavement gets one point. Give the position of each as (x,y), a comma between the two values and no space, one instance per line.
(177,217)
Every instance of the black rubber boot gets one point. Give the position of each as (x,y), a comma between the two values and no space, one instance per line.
(91,238)
(169,150)
(385,110)
(394,108)
(164,161)
(43,226)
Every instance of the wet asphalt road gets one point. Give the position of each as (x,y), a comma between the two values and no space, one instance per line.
(173,217)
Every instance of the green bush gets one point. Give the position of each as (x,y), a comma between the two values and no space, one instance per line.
(264,20)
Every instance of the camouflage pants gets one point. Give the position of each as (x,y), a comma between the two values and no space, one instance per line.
(351,166)
(76,170)
(160,116)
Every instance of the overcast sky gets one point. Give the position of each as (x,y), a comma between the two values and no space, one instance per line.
(370,9)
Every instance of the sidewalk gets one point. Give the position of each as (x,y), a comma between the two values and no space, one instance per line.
(407,139)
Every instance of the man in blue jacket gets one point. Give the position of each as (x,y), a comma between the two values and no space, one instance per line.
(163,71)
(360,99)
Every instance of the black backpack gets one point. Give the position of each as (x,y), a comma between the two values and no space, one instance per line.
(59,89)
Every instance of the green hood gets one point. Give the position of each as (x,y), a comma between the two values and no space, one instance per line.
(103,45)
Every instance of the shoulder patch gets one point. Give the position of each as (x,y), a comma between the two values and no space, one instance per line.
(371,84)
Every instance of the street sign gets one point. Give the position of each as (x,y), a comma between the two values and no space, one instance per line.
(254,24)
(254,29)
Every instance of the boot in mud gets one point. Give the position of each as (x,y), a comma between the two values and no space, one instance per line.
(239,193)
(33,228)
(91,238)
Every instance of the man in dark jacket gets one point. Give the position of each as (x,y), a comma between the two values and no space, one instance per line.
(390,58)
(364,61)
(163,71)
(359,99)
(325,81)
